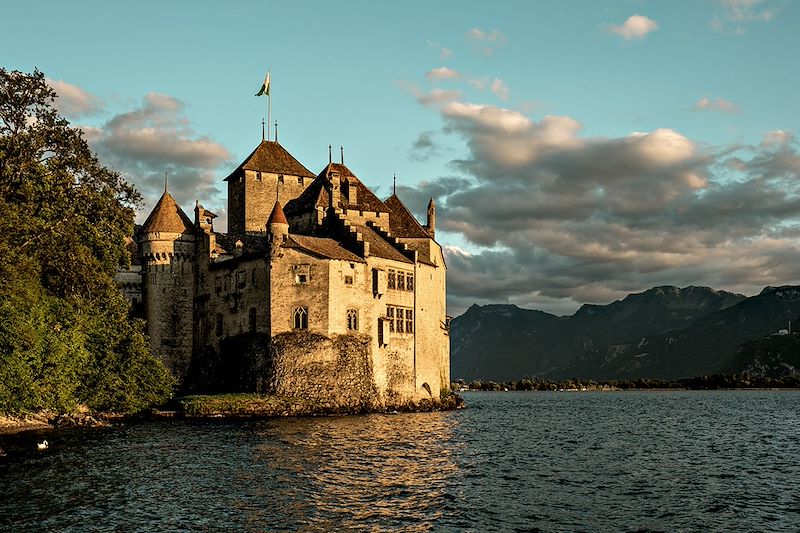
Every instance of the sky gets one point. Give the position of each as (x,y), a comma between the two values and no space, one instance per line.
(577,151)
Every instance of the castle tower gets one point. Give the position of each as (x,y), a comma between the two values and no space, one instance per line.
(167,247)
(267,175)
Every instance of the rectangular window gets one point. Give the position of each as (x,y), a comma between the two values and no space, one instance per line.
(280,178)
(409,321)
(392,280)
(258,176)
(409,282)
(300,180)
(348,280)
(401,282)
(302,273)
(398,321)
(241,279)
(390,316)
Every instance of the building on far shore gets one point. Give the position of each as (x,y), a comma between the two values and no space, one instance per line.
(319,289)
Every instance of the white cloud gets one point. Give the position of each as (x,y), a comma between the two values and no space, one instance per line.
(436,96)
(443,73)
(155,138)
(555,218)
(717,104)
(500,88)
(735,14)
(486,41)
(444,53)
(635,27)
(74,102)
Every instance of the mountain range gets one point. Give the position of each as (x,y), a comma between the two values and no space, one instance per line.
(665,332)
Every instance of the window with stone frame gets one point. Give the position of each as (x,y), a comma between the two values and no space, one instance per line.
(409,281)
(300,317)
(390,317)
(352,320)
(392,279)
(401,281)
(348,279)
(302,274)
(409,321)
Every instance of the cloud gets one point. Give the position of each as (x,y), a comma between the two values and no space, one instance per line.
(423,147)
(436,96)
(444,53)
(718,104)
(74,102)
(443,73)
(635,27)
(500,88)
(156,138)
(735,14)
(486,41)
(556,219)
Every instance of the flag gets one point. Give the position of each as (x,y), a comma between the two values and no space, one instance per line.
(264,87)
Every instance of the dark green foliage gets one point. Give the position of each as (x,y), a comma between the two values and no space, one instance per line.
(64,333)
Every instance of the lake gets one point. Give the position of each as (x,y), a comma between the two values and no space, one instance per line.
(511,461)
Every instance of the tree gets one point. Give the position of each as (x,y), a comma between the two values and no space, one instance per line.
(64,333)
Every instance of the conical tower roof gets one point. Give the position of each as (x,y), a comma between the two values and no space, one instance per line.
(277,216)
(167,217)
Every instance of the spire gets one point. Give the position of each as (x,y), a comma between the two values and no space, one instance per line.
(341,148)
(431,226)
(330,157)
(165,182)
(276,131)
(394,183)
(262,129)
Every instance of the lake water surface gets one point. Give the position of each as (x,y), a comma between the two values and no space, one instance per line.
(513,461)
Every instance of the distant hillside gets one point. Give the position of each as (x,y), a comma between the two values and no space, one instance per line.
(665,332)
(775,356)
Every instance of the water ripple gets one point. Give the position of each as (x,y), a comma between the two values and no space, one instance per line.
(632,461)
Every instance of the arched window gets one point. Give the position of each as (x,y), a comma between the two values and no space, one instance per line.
(352,320)
(300,318)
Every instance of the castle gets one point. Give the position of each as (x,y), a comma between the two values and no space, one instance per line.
(319,289)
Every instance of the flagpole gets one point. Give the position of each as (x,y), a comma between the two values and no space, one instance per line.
(269,103)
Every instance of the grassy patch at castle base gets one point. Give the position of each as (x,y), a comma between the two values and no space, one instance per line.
(268,405)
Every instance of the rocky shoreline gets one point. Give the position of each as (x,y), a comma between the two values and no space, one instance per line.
(214,406)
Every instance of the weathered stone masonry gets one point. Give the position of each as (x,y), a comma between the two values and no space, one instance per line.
(338,297)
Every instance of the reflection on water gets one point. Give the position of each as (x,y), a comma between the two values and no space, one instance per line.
(512,461)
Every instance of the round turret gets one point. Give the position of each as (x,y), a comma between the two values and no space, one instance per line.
(277,225)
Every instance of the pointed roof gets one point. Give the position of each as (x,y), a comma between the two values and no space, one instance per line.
(167,217)
(269,156)
(402,222)
(277,216)
(315,194)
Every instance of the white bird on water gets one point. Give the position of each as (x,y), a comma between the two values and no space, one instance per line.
(42,445)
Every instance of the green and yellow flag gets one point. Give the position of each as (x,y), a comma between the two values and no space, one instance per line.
(264,87)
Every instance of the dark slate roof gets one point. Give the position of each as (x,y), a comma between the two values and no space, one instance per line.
(379,247)
(402,222)
(322,247)
(316,194)
(269,156)
(167,217)
(423,251)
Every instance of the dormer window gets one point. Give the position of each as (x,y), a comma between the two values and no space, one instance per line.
(258,176)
